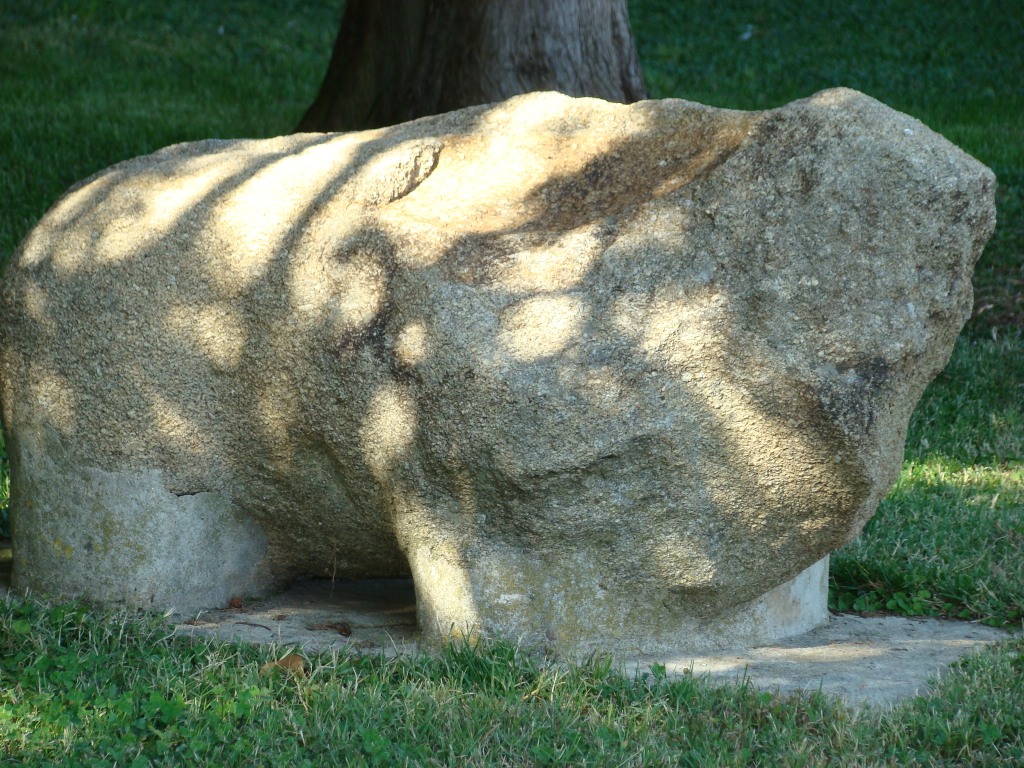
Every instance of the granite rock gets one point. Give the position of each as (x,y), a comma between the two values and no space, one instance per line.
(597,376)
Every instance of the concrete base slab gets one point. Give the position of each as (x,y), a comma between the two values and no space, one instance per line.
(373,615)
(877,661)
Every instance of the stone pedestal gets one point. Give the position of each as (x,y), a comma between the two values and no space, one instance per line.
(575,611)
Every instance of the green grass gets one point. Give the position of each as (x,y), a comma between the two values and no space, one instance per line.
(86,84)
(949,539)
(81,688)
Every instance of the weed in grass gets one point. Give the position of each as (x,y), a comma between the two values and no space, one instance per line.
(948,541)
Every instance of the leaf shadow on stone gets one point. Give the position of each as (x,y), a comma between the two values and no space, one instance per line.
(600,385)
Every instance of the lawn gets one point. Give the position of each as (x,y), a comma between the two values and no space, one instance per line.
(86,84)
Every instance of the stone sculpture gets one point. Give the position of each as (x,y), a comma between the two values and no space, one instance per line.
(595,375)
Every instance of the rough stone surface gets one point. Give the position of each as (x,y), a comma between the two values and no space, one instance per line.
(593,374)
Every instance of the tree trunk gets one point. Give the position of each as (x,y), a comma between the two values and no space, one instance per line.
(396,60)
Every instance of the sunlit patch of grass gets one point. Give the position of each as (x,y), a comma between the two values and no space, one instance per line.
(971,717)
(949,540)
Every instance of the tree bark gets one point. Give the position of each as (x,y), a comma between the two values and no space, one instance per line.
(396,60)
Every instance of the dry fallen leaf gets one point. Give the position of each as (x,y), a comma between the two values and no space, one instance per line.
(342,629)
(291,662)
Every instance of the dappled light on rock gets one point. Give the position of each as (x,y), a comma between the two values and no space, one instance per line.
(596,376)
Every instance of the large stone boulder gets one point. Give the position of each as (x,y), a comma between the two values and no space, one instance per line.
(596,376)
